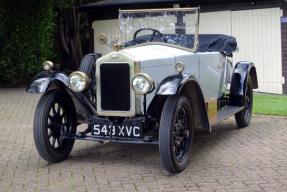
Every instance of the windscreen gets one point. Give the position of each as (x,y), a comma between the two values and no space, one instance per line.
(177,26)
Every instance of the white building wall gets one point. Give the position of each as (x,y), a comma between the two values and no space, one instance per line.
(258,33)
(109,27)
(215,22)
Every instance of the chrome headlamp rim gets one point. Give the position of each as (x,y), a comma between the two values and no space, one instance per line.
(149,80)
(83,76)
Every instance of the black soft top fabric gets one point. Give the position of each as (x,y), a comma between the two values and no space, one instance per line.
(221,43)
(207,42)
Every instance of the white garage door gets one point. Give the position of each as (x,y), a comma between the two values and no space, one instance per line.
(258,33)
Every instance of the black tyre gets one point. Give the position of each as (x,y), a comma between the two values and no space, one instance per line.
(176,133)
(88,62)
(55,116)
(243,117)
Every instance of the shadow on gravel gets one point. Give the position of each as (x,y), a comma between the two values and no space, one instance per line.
(148,155)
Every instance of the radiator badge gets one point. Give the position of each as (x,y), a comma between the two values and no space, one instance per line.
(115,56)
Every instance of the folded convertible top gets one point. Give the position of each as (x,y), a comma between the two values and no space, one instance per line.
(207,42)
(221,43)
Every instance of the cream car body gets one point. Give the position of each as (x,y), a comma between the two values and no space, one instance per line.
(158,61)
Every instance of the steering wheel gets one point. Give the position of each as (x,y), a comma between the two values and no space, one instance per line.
(155,32)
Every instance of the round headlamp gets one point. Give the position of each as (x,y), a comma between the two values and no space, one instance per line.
(78,81)
(142,84)
(48,65)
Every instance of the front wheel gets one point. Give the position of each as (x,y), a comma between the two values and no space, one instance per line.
(243,117)
(54,117)
(176,133)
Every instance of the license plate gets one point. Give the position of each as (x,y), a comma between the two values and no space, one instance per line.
(116,130)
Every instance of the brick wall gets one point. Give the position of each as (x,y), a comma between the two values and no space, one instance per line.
(284,49)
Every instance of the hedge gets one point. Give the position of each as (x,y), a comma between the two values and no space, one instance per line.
(26,39)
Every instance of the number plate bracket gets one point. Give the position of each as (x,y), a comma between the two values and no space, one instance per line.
(132,128)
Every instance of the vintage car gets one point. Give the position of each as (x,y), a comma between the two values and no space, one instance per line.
(162,81)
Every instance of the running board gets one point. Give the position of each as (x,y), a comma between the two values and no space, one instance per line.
(227,112)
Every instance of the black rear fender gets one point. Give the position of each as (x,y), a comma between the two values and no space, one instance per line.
(253,76)
(238,86)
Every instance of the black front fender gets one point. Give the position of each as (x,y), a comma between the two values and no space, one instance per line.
(182,84)
(43,80)
(171,84)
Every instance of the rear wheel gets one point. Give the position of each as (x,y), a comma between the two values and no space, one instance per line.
(54,117)
(176,133)
(243,117)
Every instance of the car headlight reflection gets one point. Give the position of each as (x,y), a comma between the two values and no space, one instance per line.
(142,84)
(78,81)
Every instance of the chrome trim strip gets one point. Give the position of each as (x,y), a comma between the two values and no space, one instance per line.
(196,42)
(137,97)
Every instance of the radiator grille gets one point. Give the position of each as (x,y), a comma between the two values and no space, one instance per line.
(115,87)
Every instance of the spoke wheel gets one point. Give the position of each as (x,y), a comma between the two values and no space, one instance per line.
(176,133)
(54,118)
(181,133)
(243,117)
(58,125)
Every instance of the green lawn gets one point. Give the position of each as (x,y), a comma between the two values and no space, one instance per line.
(270,104)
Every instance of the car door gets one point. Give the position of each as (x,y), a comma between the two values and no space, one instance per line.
(211,73)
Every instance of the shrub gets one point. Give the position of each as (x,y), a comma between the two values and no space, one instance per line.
(26,39)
